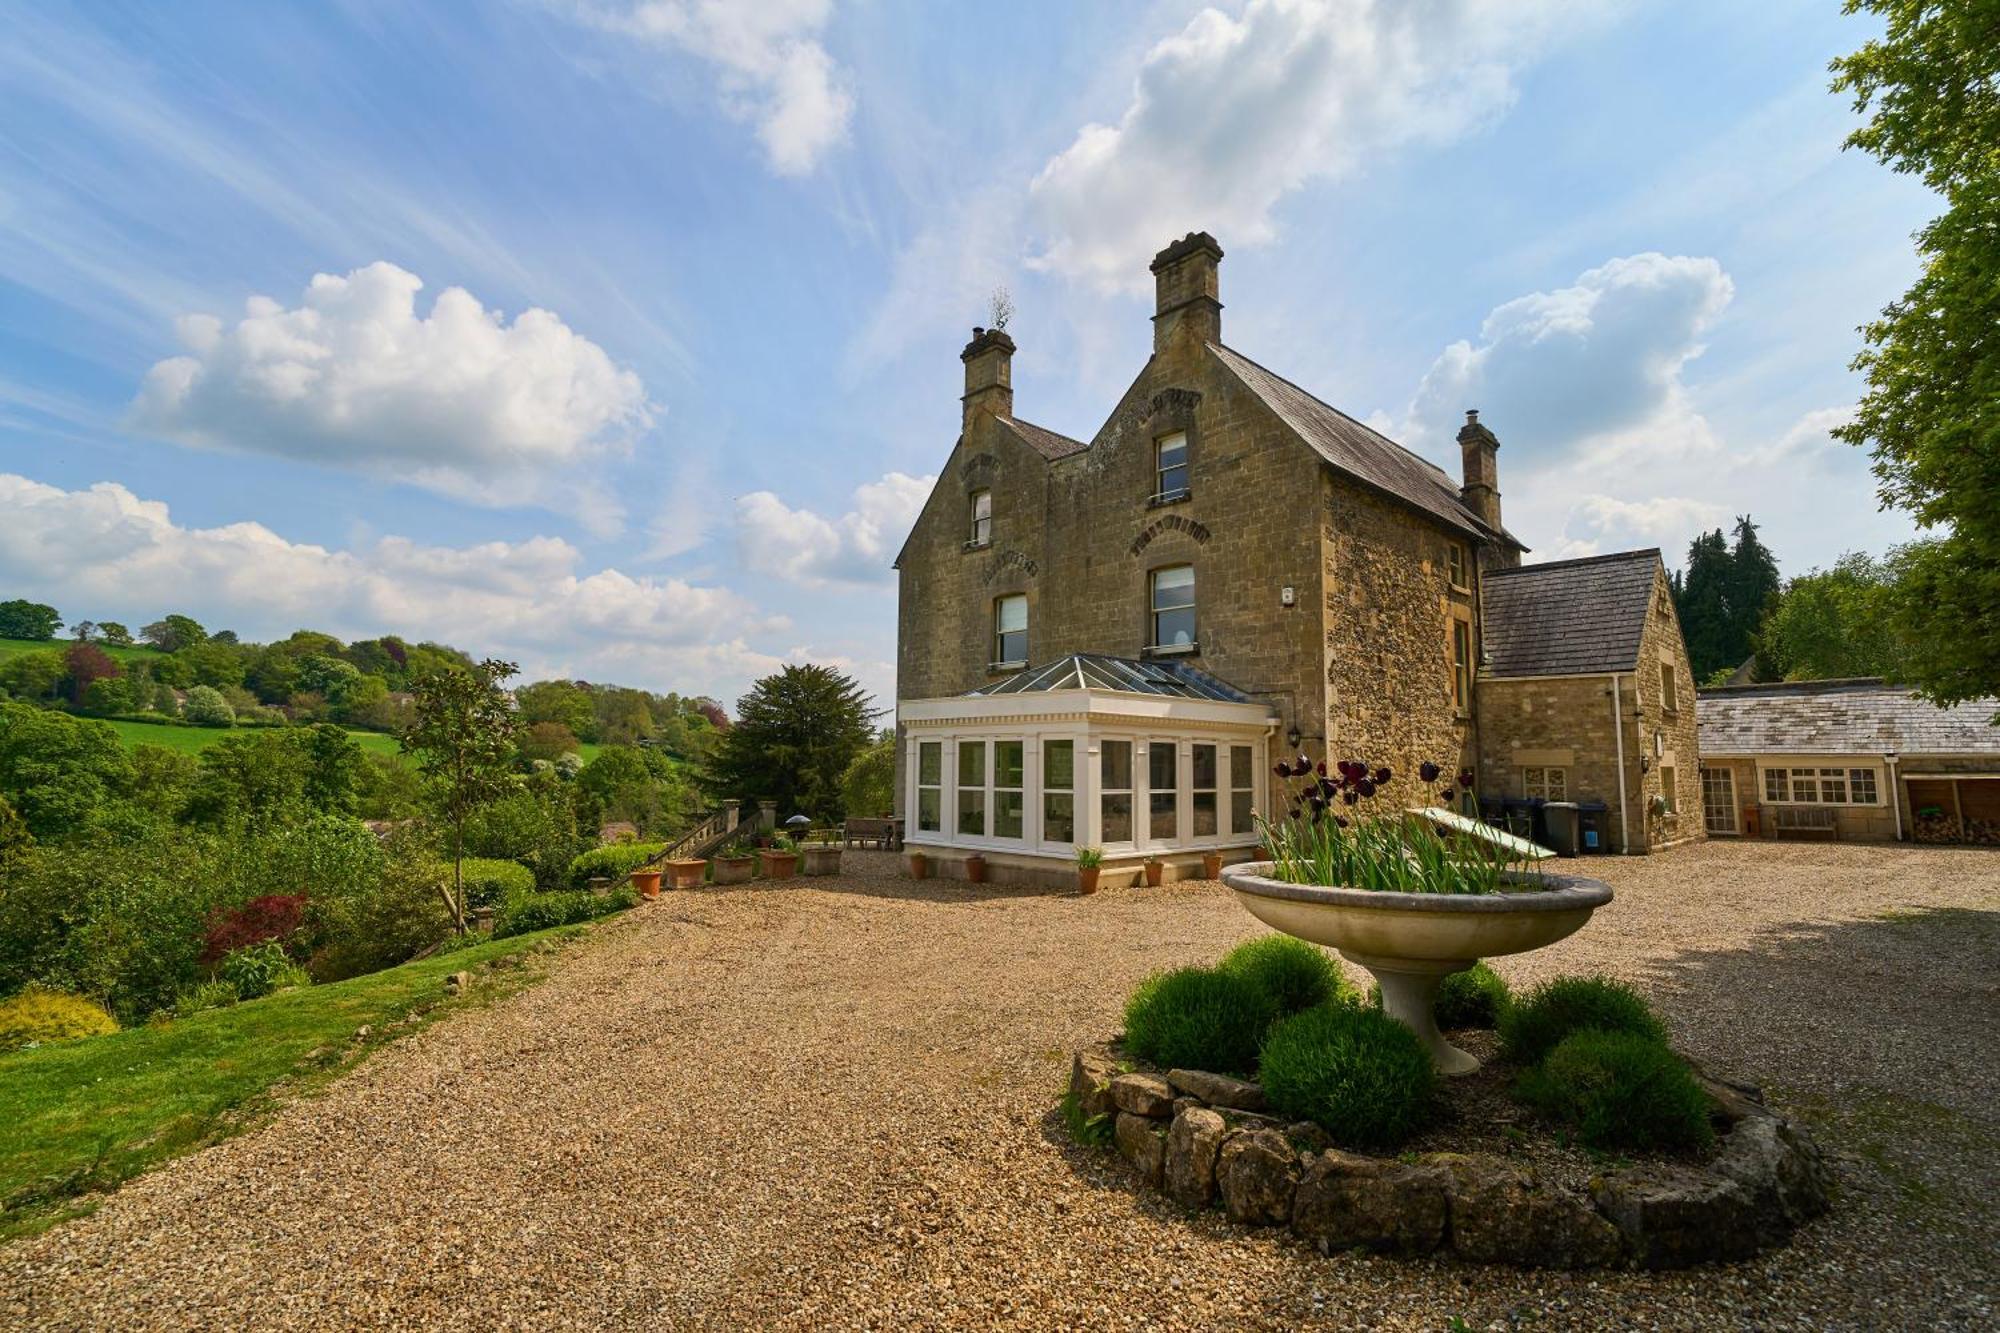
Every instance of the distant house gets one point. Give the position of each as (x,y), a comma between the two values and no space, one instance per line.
(1853,759)
(1110,642)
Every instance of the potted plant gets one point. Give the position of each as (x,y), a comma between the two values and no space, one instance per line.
(646,880)
(780,860)
(734,864)
(1413,896)
(1211,865)
(975,869)
(920,866)
(821,858)
(686,872)
(1156,870)
(1089,865)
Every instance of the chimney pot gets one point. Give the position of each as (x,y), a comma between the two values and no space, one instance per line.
(989,374)
(1479,450)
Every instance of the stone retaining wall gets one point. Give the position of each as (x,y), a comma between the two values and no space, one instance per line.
(1208,1139)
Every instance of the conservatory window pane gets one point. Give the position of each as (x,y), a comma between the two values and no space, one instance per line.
(1006,813)
(1117,765)
(1059,765)
(1007,766)
(1164,802)
(930,763)
(1059,817)
(972,763)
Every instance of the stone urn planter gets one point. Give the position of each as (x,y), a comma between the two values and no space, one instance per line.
(1413,941)
(647,882)
(1156,871)
(774,864)
(975,869)
(734,869)
(920,866)
(686,872)
(1211,865)
(822,860)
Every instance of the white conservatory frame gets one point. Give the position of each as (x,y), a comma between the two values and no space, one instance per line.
(1085,717)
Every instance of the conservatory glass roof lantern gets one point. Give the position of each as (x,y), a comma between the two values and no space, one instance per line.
(1093,671)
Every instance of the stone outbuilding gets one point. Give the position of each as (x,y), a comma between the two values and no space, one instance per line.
(1111,642)
(1851,759)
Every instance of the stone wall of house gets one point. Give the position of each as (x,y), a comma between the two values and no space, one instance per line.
(1562,722)
(1389,608)
(1667,737)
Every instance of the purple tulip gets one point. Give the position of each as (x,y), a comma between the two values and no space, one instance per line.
(1350,796)
(1382,776)
(1366,787)
(1447,795)
(1428,771)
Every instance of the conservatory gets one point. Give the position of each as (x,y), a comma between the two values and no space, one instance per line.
(1142,759)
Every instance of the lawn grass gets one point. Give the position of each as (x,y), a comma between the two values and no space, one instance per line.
(193,740)
(82,1116)
(15,647)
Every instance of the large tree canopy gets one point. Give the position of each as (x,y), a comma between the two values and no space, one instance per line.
(795,734)
(1828,623)
(1931,415)
(1722,597)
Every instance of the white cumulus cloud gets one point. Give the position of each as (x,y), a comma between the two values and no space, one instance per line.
(772,69)
(456,400)
(1597,523)
(1596,362)
(814,551)
(105,552)
(1230,115)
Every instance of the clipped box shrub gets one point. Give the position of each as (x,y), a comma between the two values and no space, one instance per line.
(542,911)
(1295,974)
(1198,1018)
(1356,1072)
(612,861)
(1619,1090)
(489,881)
(38,1016)
(1532,1026)
(1474,998)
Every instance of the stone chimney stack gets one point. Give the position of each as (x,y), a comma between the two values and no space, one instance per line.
(989,375)
(1479,449)
(1186,293)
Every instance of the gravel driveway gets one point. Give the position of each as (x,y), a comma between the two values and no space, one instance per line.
(828,1104)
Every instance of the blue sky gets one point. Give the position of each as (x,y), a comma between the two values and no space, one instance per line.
(620,338)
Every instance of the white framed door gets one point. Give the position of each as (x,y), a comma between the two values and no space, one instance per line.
(1718,800)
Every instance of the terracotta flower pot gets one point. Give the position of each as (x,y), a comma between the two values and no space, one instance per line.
(975,870)
(1155,870)
(920,866)
(686,873)
(1086,878)
(1211,865)
(734,869)
(647,882)
(777,865)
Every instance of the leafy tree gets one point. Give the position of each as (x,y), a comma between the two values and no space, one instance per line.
(213,663)
(868,787)
(1701,603)
(60,773)
(174,633)
(548,740)
(563,702)
(35,675)
(109,695)
(22,619)
(1931,86)
(463,737)
(114,633)
(795,734)
(83,631)
(712,710)
(85,663)
(624,717)
(1832,623)
(205,707)
(225,636)
(1752,586)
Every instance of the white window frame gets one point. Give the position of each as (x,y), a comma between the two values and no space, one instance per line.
(1077,755)
(938,747)
(1154,610)
(1243,772)
(1547,782)
(994,791)
(1804,782)
(1129,791)
(1216,778)
(1455,561)
(981,524)
(1178,792)
(1002,661)
(1461,667)
(1161,490)
(983,789)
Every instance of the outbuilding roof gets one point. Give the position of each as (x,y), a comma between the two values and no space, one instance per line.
(1094,671)
(1568,617)
(1858,716)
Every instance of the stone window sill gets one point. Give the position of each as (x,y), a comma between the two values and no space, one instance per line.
(1171,650)
(976,545)
(1004,668)
(1170,498)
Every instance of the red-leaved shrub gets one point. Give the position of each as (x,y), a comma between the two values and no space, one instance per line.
(275,916)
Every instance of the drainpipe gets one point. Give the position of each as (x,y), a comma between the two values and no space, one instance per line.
(1618,736)
(1895,793)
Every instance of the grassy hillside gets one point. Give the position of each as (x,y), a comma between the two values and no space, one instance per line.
(15,647)
(190,740)
(81,1116)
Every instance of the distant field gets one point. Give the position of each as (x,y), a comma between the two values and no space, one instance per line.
(190,740)
(15,647)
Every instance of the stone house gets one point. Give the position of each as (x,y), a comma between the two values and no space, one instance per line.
(1109,643)
(1851,759)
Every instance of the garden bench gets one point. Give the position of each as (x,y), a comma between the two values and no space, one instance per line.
(1802,820)
(881,833)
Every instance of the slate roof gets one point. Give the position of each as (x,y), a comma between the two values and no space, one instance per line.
(1042,440)
(1367,455)
(1095,671)
(1567,617)
(1859,716)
